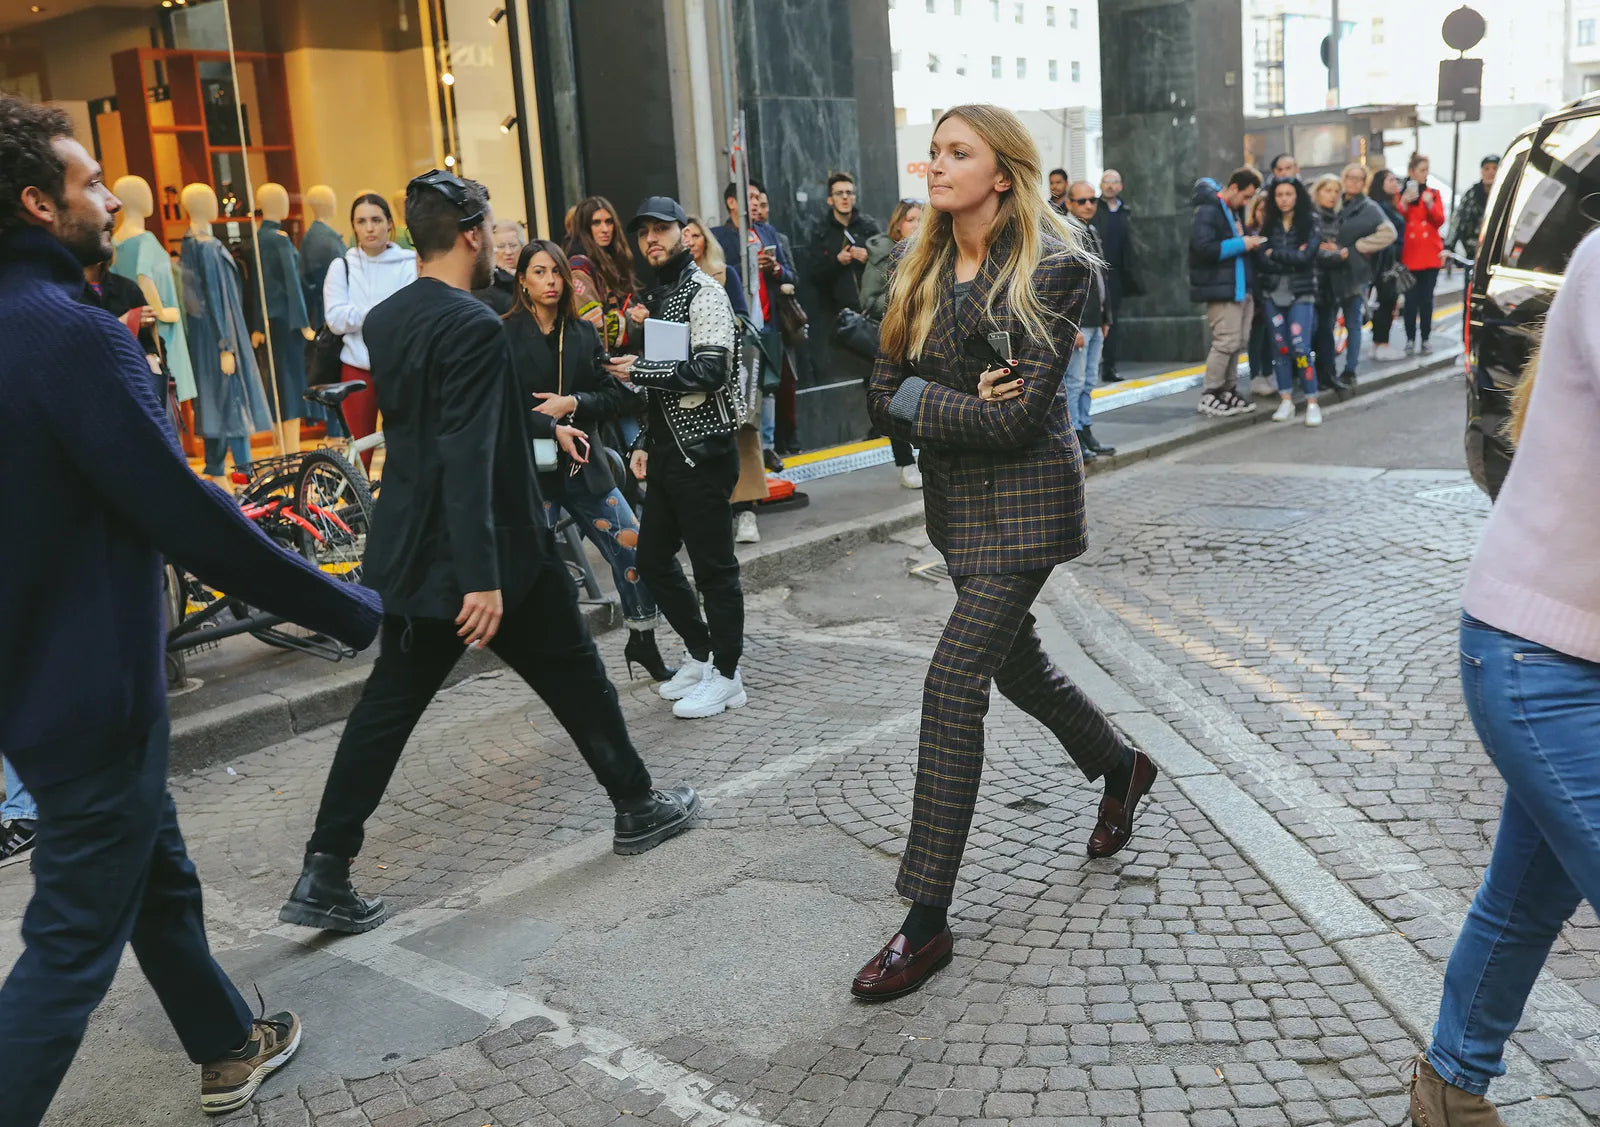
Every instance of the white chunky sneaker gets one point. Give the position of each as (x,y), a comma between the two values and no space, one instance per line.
(911,477)
(686,680)
(745,530)
(1285,411)
(1264,386)
(713,695)
(1313,415)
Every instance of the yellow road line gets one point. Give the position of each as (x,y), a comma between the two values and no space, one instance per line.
(844,451)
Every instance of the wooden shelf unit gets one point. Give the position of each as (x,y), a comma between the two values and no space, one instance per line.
(169,144)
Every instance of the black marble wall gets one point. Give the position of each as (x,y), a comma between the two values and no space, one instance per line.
(1173,105)
(815,86)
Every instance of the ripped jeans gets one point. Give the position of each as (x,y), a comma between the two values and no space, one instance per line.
(1291,326)
(606,521)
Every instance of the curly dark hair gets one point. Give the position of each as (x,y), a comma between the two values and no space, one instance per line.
(28,158)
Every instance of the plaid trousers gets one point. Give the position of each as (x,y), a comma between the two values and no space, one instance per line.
(990,636)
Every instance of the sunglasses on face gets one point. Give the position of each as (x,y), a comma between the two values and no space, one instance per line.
(1084,199)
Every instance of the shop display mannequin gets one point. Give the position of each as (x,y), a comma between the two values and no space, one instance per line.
(287,322)
(142,258)
(231,405)
(320,247)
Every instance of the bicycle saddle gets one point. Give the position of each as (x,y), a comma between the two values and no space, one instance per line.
(333,394)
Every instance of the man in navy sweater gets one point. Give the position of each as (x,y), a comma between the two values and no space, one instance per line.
(88,457)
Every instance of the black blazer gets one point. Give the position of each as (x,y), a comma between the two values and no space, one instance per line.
(601,396)
(460,509)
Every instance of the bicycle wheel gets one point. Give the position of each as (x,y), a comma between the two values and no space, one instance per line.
(333,508)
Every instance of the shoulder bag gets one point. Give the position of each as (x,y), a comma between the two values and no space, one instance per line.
(324,365)
(547,451)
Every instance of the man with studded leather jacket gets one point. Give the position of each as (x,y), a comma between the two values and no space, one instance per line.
(688,452)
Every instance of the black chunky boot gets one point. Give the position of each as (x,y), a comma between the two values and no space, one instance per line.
(641,648)
(1085,449)
(323,898)
(1100,448)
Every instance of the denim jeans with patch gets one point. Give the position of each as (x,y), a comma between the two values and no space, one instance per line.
(606,521)
(1291,327)
(1538,714)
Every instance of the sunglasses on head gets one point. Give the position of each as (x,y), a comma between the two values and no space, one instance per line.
(452,188)
(911,201)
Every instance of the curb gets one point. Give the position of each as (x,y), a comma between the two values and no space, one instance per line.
(252,723)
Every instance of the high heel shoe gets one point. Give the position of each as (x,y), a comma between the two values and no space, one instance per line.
(642,648)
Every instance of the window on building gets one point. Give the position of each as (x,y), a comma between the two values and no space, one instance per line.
(1049,15)
(1586,33)
(1378,36)
(1077,71)
(1591,83)
(1072,17)
(994,9)
(955,7)
(933,5)
(961,67)
(1021,12)
(894,61)
(1022,67)
(994,67)
(933,64)
(934,115)
(1055,71)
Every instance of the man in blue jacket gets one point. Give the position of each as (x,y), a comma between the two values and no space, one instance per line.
(87,454)
(1221,275)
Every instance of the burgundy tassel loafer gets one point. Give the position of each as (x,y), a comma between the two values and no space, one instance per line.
(894,971)
(1115,826)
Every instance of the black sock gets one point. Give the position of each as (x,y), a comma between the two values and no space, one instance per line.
(923,922)
(1119,777)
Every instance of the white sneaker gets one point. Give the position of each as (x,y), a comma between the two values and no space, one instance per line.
(1264,386)
(911,477)
(1285,411)
(1313,415)
(713,695)
(686,680)
(745,530)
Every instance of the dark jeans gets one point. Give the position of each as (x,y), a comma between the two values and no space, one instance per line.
(109,868)
(1108,352)
(689,507)
(1419,304)
(1383,314)
(1322,340)
(1259,350)
(542,638)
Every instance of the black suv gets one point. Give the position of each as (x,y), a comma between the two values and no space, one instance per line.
(1544,201)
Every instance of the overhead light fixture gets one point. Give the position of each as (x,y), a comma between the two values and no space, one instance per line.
(450,161)
(35,9)
(166,3)
(505,126)
(447,78)
(497,15)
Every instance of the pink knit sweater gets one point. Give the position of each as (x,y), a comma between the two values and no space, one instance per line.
(1537,573)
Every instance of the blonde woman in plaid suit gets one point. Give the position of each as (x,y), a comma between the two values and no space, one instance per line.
(1003,486)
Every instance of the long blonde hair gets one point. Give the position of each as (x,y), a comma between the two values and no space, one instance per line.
(1522,394)
(716,263)
(1024,217)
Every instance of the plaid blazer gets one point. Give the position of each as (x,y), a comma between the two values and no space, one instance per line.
(1002,482)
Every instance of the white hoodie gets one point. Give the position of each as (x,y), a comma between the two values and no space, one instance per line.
(354,286)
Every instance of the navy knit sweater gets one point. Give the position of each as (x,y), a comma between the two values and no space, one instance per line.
(95,492)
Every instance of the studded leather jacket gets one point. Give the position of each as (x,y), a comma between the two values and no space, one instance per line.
(695,404)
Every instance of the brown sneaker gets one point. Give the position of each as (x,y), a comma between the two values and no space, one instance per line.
(1435,1103)
(228,1083)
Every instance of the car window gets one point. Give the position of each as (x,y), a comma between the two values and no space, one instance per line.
(1557,200)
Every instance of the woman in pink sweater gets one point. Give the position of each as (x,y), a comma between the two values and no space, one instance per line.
(1530,669)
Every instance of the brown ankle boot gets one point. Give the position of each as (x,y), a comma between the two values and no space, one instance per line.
(1437,1104)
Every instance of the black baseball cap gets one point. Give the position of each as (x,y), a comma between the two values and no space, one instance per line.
(664,208)
(1492,158)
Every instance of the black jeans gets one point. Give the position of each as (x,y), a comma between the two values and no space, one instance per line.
(542,638)
(904,455)
(1419,304)
(1108,350)
(689,507)
(109,868)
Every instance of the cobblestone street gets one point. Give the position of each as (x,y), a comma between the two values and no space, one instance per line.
(1271,615)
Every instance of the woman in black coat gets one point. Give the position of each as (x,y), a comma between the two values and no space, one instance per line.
(1286,271)
(561,366)
(1385,191)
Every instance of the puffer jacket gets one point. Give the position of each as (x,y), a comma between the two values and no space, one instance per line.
(1360,227)
(1219,267)
(1292,254)
(695,404)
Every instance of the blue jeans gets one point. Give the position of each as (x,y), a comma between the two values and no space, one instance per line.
(1291,344)
(606,521)
(109,868)
(218,449)
(1083,373)
(1354,310)
(1538,714)
(769,419)
(19,805)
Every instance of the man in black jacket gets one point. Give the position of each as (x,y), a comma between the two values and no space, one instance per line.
(1221,275)
(463,557)
(839,247)
(690,452)
(1113,222)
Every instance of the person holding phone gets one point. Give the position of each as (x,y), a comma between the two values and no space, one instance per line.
(1421,251)
(984,310)
(464,558)
(563,372)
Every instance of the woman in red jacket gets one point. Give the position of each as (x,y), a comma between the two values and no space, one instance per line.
(1423,249)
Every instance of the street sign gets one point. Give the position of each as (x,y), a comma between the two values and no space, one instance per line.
(1460,90)
(1463,29)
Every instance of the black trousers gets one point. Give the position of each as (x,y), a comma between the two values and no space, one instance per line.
(109,868)
(1108,350)
(691,507)
(543,638)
